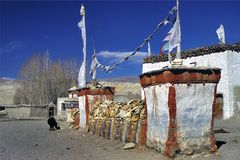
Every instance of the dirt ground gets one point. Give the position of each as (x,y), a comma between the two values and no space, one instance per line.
(32,140)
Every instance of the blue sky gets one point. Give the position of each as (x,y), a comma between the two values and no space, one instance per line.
(117,28)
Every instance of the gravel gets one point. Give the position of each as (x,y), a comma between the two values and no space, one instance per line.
(32,140)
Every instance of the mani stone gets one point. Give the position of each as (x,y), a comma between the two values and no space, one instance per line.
(129,145)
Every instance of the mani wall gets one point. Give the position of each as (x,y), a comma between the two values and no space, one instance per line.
(225,57)
(119,121)
(162,120)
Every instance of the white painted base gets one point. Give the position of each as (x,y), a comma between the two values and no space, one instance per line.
(193,114)
(82,111)
(157,115)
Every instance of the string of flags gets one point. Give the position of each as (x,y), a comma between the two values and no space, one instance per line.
(96,65)
(172,38)
(165,21)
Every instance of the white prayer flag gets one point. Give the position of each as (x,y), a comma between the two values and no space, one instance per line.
(174,37)
(149,49)
(167,38)
(221,34)
(82,81)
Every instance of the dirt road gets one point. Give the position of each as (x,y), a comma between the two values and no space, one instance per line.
(32,140)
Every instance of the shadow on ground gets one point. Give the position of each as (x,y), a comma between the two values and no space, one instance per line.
(220,143)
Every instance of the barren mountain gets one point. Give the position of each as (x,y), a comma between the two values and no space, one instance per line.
(124,86)
(7,91)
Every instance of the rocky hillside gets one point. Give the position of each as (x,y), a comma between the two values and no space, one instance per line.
(124,87)
(7,91)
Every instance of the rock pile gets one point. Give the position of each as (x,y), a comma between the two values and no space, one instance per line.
(132,110)
(119,121)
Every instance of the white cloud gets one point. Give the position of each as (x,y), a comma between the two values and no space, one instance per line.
(11,46)
(6,78)
(116,56)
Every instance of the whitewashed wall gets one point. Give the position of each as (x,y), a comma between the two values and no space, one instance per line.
(60,101)
(82,111)
(228,61)
(234,79)
(157,115)
(194,113)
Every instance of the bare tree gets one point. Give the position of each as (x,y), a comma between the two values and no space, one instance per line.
(43,80)
(71,68)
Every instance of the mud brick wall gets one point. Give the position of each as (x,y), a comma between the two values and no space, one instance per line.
(26,112)
(40,111)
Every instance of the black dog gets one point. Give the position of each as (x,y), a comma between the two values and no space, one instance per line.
(52,123)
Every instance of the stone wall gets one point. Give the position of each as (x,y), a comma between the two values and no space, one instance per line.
(25,112)
(39,111)
(119,121)
(18,112)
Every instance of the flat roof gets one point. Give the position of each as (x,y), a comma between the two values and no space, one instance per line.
(194,52)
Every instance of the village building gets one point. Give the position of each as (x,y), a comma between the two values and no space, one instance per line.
(225,57)
(67,105)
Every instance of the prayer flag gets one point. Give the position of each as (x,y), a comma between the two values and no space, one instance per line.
(165,47)
(82,82)
(174,38)
(149,49)
(221,34)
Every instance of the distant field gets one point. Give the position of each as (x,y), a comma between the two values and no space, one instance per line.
(7,91)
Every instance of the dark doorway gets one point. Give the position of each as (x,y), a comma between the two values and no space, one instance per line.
(51,112)
(218,107)
(63,107)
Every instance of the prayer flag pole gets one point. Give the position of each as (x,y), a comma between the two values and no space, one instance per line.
(178,61)
(82,75)
(178,56)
